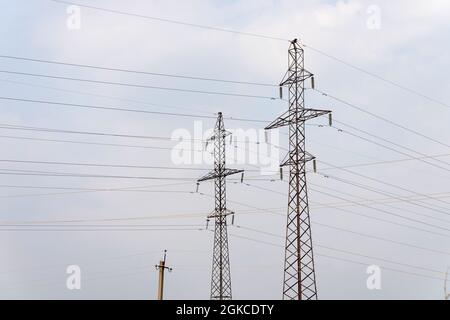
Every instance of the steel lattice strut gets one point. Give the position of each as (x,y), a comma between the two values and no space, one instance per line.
(299,274)
(221,275)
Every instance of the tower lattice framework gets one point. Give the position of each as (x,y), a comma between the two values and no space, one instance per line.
(221,273)
(299,281)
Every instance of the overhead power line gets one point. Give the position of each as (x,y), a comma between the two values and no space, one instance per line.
(159,74)
(364,205)
(364,201)
(382,182)
(93,229)
(77,105)
(362,214)
(388,184)
(403,127)
(357,262)
(135,85)
(172,21)
(257,35)
(423,155)
(378,77)
(345,251)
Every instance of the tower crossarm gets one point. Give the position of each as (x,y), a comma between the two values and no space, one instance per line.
(214,175)
(294,116)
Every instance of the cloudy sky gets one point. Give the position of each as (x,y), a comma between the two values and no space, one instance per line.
(383,65)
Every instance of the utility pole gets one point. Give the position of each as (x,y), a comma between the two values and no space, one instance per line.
(446,295)
(161,268)
(221,275)
(299,277)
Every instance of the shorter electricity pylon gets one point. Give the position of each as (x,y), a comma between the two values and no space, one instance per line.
(162,267)
(221,274)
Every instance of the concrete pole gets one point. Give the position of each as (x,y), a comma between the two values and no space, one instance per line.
(161,268)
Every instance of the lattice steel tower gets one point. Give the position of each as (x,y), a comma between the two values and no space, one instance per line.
(299,275)
(221,275)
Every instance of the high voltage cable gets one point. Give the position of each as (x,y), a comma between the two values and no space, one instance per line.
(4,171)
(354,106)
(388,205)
(367,164)
(366,235)
(388,141)
(377,180)
(84,93)
(70,64)
(83,164)
(378,76)
(365,205)
(343,259)
(188,149)
(365,216)
(94,133)
(387,200)
(386,183)
(263,210)
(96,143)
(78,192)
(69,174)
(94,229)
(109,165)
(390,148)
(391,195)
(307,46)
(99,225)
(388,212)
(172,21)
(134,85)
(13,127)
(76,105)
(343,251)
(110,134)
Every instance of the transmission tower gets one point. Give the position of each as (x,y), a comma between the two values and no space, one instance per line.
(221,276)
(299,276)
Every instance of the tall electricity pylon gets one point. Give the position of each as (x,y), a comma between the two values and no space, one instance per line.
(299,276)
(221,275)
